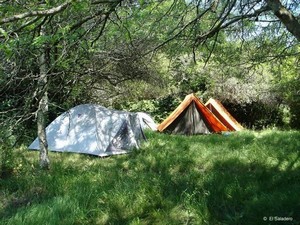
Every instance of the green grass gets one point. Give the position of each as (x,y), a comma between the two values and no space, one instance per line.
(212,179)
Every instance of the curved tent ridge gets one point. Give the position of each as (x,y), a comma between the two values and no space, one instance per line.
(192,117)
(95,130)
(223,115)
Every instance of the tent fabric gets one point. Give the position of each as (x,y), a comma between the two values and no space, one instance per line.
(146,121)
(95,130)
(223,115)
(191,117)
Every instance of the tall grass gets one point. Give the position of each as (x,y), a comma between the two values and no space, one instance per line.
(242,178)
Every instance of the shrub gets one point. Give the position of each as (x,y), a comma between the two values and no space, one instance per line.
(7,163)
(256,115)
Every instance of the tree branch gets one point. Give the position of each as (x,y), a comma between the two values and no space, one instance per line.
(222,25)
(179,32)
(45,12)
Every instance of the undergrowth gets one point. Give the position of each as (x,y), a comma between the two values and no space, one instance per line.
(242,178)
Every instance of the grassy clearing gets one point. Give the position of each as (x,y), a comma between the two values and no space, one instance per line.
(243,178)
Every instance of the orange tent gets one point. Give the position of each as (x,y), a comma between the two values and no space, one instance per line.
(223,115)
(192,117)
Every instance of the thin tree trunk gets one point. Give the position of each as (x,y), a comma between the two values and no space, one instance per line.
(43,106)
(41,115)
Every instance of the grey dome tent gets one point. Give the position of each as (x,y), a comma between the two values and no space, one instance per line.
(95,130)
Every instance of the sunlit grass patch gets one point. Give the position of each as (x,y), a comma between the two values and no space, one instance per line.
(58,210)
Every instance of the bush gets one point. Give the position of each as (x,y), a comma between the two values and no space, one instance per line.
(256,115)
(7,162)
(295,112)
(159,108)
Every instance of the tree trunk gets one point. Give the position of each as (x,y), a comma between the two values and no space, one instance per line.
(41,117)
(285,16)
(43,106)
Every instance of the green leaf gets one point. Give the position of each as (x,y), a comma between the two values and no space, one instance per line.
(4,33)
(40,40)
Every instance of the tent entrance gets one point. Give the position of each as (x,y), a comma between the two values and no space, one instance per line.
(189,122)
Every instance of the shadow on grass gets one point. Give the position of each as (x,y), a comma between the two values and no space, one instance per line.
(161,183)
(31,189)
(284,146)
(160,176)
(253,194)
